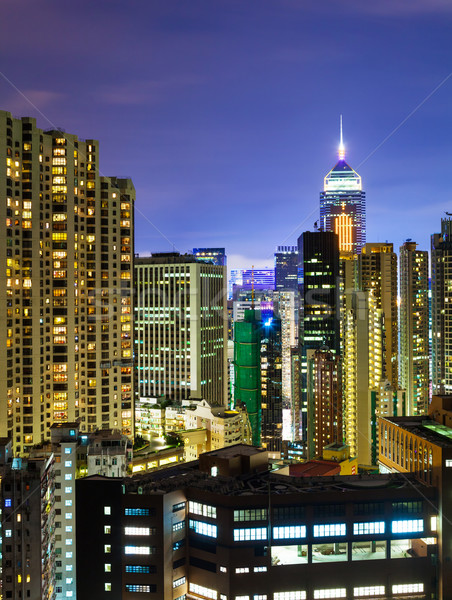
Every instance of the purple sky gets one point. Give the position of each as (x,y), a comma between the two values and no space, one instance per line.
(225,113)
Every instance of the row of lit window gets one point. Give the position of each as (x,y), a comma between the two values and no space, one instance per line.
(204,510)
(334,593)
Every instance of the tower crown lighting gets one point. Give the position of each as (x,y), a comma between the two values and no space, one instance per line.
(341,149)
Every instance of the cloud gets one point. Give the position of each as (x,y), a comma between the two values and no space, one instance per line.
(34,102)
(141,92)
(240,261)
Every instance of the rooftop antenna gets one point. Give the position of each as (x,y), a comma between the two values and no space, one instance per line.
(341,143)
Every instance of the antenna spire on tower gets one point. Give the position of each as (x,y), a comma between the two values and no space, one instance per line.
(341,143)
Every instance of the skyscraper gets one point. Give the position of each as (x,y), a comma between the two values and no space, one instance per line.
(319,323)
(286,268)
(442,308)
(414,317)
(324,392)
(377,273)
(181,328)
(343,205)
(65,296)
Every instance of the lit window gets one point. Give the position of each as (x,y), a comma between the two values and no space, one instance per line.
(448,462)
(107,568)
(289,532)
(260,569)
(107,510)
(8,532)
(330,593)
(137,569)
(223,569)
(136,512)
(136,587)
(68,476)
(68,542)
(203,528)
(408,526)
(137,531)
(68,463)
(68,516)
(251,533)
(203,591)
(69,567)
(329,529)
(68,503)
(408,588)
(178,582)
(67,450)
(241,570)
(138,550)
(260,597)
(107,587)
(68,528)
(68,555)
(369,528)
(178,526)
(369,590)
(205,510)
(434,523)
(68,490)
(107,529)
(107,548)
(295,595)
(7,502)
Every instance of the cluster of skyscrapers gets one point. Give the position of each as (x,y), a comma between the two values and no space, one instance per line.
(332,352)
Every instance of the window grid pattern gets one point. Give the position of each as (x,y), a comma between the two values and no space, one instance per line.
(250,533)
(295,595)
(242,570)
(287,532)
(137,568)
(136,512)
(251,514)
(139,549)
(137,531)
(178,526)
(408,588)
(204,510)
(203,591)
(369,590)
(408,526)
(370,528)
(178,582)
(330,593)
(203,528)
(136,587)
(329,529)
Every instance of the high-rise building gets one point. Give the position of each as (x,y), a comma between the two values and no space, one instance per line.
(212,256)
(65,300)
(286,268)
(324,401)
(441,280)
(250,279)
(414,327)
(181,328)
(377,273)
(319,319)
(271,383)
(343,205)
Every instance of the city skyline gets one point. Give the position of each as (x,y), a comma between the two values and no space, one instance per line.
(214,139)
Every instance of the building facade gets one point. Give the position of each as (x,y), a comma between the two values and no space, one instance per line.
(414,328)
(226,528)
(441,280)
(181,328)
(286,268)
(65,300)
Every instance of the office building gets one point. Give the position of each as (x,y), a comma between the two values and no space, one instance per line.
(343,205)
(181,328)
(207,530)
(414,328)
(324,393)
(362,373)
(377,273)
(422,445)
(211,256)
(271,383)
(319,316)
(286,268)
(65,305)
(441,281)
(249,280)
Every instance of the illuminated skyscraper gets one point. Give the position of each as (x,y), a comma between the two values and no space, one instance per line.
(286,268)
(343,205)
(414,316)
(181,328)
(65,287)
(377,273)
(442,309)
(319,322)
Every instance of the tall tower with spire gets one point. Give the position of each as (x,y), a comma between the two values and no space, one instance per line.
(343,204)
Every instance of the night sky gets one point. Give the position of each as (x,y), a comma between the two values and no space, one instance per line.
(225,113)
